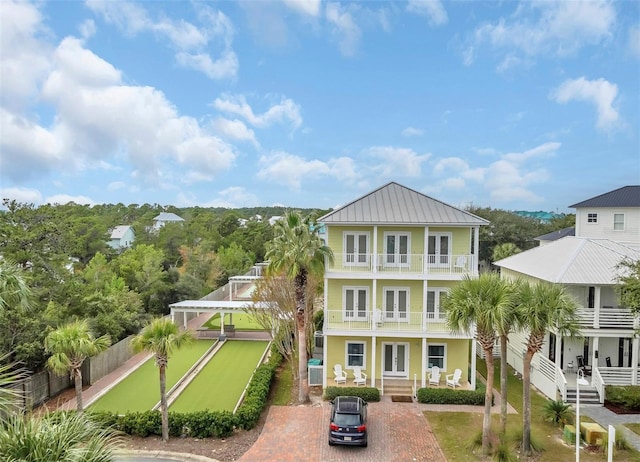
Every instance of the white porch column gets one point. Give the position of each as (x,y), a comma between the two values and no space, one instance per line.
(596,344)
(374,250)
(184,319)
(596,307)
(222,323)
(373,361)
(374,306)
(324,358)
(425,251)
(423,369)
(173,316)
(472,379)
(558,353)
(634,360)
(476,247)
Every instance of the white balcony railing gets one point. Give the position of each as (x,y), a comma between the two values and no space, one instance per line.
(402,263)
(377,320)
(610,317)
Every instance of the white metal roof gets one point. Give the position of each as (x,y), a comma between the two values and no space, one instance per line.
(216,305)
(168,216)
(119,231)
(572,260)
(397,204)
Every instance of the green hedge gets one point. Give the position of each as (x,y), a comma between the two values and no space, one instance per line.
(202,424)
(366,393)
(451,396)
(625,396)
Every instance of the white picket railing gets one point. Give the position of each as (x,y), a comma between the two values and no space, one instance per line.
(402,263)
(598,383)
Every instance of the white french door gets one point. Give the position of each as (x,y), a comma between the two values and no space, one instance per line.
(396,304)
(439,249)
(396,249)
(356,249)
(395,358)
(435,298)
(355,303)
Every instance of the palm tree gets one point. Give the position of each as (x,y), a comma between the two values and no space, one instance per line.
(14,290)
(543,307)
(505,250)
(483,303)
(69,346)
(298,252)
(161,337)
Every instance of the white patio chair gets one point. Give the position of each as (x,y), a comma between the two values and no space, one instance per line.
(434,376)
(360,378)
(340,374)
(453,380)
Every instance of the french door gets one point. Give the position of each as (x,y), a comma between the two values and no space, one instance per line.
(439,249)
(396,249)
(396,304)
(395,359)
(356,301)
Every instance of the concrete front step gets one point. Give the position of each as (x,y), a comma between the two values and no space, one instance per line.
(588,395)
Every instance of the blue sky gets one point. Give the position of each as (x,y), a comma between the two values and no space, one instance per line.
(520,106)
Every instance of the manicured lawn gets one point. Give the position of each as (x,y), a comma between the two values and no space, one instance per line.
(140,391)
(241,321)
(454,430)
(221,382)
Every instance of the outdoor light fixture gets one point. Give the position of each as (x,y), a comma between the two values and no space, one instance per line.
(580,380)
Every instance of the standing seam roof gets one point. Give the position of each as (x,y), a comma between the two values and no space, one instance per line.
(627,196)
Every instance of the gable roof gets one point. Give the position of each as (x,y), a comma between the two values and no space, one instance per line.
(168,216)
(627,196)
(555,235)
(397,204)
(119,231)
(572,260)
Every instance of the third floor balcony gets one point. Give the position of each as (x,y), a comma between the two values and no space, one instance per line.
(418,264)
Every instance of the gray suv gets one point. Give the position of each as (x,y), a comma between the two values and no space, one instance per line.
(348,422)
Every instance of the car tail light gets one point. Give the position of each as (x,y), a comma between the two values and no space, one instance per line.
(334,427)
(362,428)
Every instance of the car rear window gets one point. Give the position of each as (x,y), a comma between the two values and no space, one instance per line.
(345,420)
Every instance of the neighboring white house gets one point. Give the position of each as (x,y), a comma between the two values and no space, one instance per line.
(587,265)
(122,237)
(166,217)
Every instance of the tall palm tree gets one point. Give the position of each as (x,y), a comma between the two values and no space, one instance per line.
(69,346)
(483,303)
(162,337)
(298,252)
(543,307)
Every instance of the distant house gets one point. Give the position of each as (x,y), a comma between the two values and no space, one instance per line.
(122,237)
(541,216)
(555,235)
(273,219)
(164,218)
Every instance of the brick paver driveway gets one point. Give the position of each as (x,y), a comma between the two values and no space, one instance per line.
(398,432)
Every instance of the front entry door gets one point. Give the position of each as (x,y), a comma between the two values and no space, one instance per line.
(396,359)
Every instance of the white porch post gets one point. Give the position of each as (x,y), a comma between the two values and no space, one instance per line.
(425,251)
(373,361)
(374,250)
(374,306)
(173,316)
(184,319)
(472,379)
(222,323)
(324,359)
(596,307)
(558,350)
(476,247)
(423,369)
(634,360)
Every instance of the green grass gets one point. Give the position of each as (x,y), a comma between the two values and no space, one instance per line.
(140,391)
(241,321)
(220,383)
(634,427)
(454,443)
(282,395)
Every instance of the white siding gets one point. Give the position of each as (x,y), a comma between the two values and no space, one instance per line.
(604,227)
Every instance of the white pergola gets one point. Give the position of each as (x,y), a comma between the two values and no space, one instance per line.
(210,306)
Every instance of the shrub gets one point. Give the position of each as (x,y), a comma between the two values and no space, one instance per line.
(451,396)
(366,393)
(624,396)
(556,411)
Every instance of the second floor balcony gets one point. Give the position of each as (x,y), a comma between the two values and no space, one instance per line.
(607,317)
(436,264)
(383,323)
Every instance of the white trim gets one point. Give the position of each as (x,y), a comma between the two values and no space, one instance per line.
(595,217)
(438,291)
(437,255)
(407,356)
(614,221)
(397,260)
(444,358)
(346,353)
(357,251)
(395,313)
(357,314)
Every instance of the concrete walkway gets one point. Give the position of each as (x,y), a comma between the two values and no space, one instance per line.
(605,417)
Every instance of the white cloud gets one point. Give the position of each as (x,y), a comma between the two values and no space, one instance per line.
(344,31)
(288,169)
(87,29)
(545,28)
(432,9)
(116,185)
(307,7)
(634,40)
(234,129)
(285,110)
(23,195)
(65,199)
(397,161)
(98,117)
(344,169)
(412,131)
(600,93)
(544,150)
(190,41)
